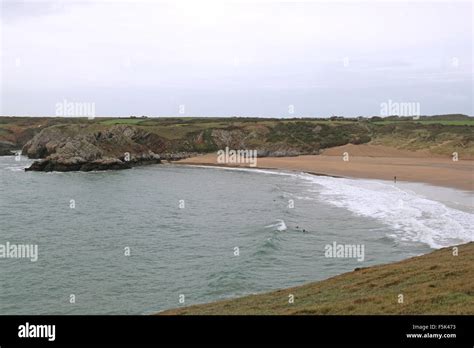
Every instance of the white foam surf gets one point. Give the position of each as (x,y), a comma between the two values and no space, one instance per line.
(412,216)
(279,225)
(16,168)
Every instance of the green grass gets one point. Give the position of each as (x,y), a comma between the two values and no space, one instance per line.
(441,122)
(4,131)
(123,121)
(450,123)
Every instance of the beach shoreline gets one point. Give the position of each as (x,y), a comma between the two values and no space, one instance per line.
(429,170)
(407,168)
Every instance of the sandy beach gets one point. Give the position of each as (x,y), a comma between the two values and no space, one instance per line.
(370,162)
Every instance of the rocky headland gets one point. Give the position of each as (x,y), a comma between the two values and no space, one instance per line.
(82,148)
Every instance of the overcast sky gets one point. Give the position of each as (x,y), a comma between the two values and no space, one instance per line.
(245,58)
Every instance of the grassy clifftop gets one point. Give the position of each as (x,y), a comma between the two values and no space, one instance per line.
(436,283)
(440,135)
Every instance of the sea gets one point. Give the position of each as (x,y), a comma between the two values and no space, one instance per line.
(156,237)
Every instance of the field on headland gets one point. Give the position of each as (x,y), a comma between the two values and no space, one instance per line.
(436,283)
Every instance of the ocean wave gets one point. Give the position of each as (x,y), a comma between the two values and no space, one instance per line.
(279,225)
(16,168)
(249,170)
(412,216)
(268,246)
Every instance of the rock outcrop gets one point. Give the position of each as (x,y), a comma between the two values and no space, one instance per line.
(7,148)
(83,148)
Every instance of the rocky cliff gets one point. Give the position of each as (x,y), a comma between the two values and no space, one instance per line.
(84,148)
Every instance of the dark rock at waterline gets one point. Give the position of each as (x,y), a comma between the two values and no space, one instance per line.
(177,156)
(7,148)
(49,165)
(6,152)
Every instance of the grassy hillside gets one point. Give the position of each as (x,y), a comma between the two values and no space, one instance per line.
(441,135)
(436,283)
(440,139)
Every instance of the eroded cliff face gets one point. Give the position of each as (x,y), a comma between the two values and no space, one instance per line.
(255,138)
(79,147)
(13,137)
(85,148)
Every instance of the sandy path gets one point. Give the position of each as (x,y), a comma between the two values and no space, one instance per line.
(372,162)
